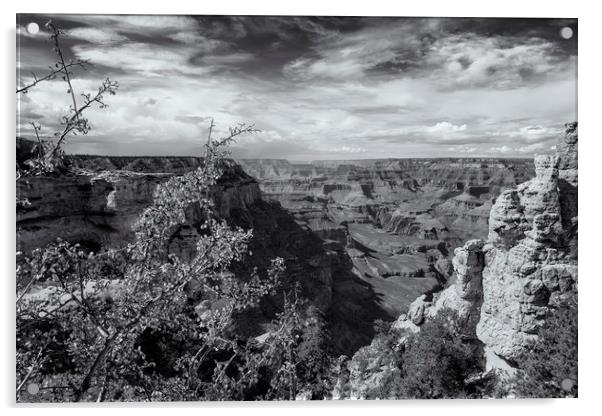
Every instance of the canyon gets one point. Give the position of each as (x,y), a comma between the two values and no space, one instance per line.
(364,238)
(504,285)
(398,220)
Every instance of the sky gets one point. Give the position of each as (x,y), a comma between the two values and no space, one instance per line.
(316,87)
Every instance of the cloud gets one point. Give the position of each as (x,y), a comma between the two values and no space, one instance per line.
(318,88)
(501,149)
(351,149)
(202,43)
(144,25)
(352,56)
(533,148)
(147,59)
(148,101)
(538,133)
(95,35)
(452,61)
(470,60)
(445,129)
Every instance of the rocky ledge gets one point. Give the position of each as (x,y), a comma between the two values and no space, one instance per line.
(503,286)
(97,206)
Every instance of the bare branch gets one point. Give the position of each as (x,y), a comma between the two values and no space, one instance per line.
(31,370)
(77,124)
(52,74)
(73,123)
(56,33)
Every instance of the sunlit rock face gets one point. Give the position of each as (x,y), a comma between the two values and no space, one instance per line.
(568,185)
(98,207)
(504,286)
(521,280)
(398,219)
(464,295)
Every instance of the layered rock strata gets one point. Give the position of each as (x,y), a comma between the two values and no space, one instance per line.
(397,219)
(98,208)
(504,286)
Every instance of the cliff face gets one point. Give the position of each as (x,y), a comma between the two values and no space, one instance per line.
(98,207)
(449,195)
(398,220)
(505,285)
(531,253)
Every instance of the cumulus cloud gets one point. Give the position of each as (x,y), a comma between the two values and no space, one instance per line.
(317,87)
(445,129)
(500,149)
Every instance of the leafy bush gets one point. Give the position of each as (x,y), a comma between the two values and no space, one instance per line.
(548,368)
(79,332)
(437,363)
(139,323)
(315,355)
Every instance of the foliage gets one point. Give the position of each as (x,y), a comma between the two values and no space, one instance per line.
(437,362)
(377,367)
(140,323)
(548,368)
(98,318)
(315,355)
(47,156)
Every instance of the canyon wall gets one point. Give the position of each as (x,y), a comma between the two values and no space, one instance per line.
(365,238)
(505,285)
(397,219)
(97,208)
(502,285)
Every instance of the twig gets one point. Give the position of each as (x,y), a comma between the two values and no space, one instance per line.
(30,372)
(52,74)
(55,38)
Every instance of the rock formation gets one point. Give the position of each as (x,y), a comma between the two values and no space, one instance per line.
(504,286)
(523,279)
(464,295)
(397,219)
(97,208)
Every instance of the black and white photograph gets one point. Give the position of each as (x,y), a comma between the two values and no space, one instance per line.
(293,207)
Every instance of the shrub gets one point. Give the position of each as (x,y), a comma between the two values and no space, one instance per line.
(548,368)
(437,362)
(78,334)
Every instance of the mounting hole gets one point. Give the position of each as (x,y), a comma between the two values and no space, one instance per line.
(33,388)
(566,32)
(32,28)
(567,384)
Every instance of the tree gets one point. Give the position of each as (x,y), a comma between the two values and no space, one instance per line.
(315,355)
(437,362)
(548,367)
(139,323)
(47,156)
(99,321)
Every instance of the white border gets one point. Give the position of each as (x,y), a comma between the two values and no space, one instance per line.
(590,200)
